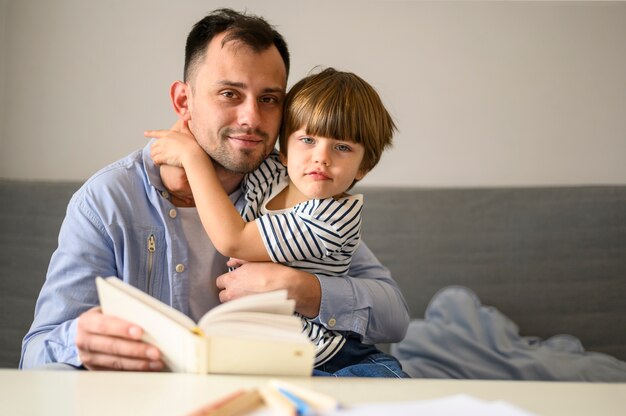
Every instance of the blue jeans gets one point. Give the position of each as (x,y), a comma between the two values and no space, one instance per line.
(356,359)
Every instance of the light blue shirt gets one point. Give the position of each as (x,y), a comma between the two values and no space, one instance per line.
(121,223)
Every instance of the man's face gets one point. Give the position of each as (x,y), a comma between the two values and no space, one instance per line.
(235,103)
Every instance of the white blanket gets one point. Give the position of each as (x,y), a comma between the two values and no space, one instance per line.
(462,339)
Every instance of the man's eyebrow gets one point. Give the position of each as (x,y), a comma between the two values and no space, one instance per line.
(274,90)
(242,85)
(227,83)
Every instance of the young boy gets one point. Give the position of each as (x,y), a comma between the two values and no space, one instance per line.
(297,211)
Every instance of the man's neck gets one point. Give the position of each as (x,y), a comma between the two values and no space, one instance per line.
(179,192)
(230,180)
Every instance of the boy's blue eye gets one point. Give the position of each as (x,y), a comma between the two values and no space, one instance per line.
(307,140)
(343,148)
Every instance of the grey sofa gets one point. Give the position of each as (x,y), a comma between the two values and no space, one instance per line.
(551,259)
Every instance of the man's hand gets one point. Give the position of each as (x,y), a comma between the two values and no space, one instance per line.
(109,343)
(258,277)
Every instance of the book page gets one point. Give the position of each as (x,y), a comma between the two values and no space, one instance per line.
(182,349)
(275,302)
(154,303)
(250,331)
(285,322)
(251,323)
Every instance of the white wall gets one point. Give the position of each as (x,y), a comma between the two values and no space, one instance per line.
(3,77)
(484,94)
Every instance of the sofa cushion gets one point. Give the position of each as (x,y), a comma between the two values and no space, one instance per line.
(552,259)
(29,226)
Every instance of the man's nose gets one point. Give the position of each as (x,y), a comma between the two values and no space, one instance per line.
(249,114)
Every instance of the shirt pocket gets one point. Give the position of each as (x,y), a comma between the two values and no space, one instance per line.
(145,260)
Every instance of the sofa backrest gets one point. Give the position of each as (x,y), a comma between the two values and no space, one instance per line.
(551,259)
(29,227)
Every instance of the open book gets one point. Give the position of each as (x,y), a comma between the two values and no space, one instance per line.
(256,334)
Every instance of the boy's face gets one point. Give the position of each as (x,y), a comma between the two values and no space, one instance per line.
(321,167)
(235,103)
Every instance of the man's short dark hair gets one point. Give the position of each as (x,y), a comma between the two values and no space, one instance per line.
(252,31)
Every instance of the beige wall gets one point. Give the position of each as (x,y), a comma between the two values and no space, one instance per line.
(484,94)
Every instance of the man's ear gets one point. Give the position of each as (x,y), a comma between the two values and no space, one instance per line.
(180,94)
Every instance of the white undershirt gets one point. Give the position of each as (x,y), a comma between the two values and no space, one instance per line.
(205,263)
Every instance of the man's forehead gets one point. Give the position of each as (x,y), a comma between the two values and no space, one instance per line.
(237,66)
(220,43)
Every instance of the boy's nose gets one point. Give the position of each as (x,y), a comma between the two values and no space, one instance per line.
(322,155)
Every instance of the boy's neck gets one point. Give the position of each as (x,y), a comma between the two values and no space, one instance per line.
(289,197)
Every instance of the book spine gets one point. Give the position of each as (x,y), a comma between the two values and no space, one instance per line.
(198,357)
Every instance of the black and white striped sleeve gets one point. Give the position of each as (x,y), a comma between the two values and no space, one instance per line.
(313,230)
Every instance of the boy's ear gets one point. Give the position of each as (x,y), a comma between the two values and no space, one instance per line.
(180,94)
(283,158)
(361,174)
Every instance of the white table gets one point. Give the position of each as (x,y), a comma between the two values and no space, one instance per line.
(109,393)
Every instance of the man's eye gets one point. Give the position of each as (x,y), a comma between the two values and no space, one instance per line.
(269,100)
(228,94)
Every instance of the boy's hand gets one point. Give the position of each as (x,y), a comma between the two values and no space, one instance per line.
(234,263)
(178,144)
(174,177)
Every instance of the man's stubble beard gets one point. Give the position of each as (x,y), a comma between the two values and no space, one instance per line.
(245,162)
(239,161)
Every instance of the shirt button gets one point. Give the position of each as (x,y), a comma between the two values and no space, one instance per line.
(180,268)
(332,322)
(165,194)
(173,213)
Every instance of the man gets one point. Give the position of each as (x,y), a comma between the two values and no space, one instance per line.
(136,221)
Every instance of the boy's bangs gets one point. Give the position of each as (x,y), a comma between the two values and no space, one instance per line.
(330,115)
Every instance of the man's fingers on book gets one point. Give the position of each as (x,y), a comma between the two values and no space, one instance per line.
(95,322)
(106,352)
(97,361)
(116,347)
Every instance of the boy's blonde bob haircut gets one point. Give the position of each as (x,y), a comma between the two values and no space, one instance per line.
(342,106)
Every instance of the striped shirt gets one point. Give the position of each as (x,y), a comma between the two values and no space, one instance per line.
(318,236)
